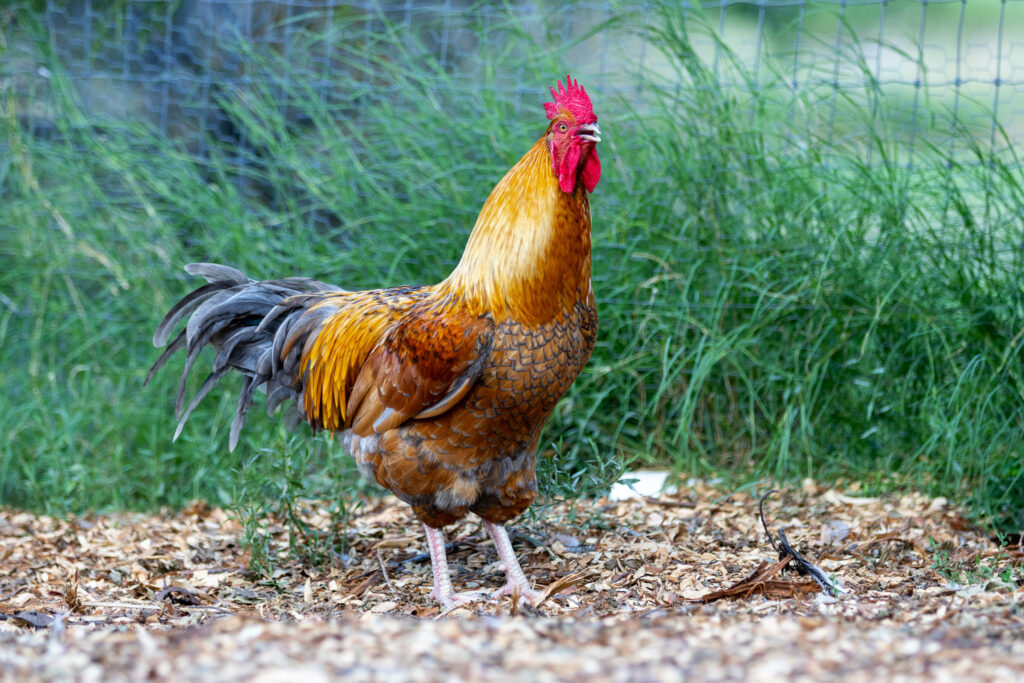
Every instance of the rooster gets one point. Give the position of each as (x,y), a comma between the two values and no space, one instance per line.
(439,392)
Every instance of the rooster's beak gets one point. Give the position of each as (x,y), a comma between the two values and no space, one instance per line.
(589,132)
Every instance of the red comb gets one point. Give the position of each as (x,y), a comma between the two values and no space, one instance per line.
(573,98)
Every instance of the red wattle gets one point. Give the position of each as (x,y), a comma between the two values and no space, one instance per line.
(591,171)
(567,169)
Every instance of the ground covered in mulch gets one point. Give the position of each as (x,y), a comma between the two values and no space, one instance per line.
(647,588)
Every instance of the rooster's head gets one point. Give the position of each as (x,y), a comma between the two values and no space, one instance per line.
(572,136)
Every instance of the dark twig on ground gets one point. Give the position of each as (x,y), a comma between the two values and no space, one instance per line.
(802,565)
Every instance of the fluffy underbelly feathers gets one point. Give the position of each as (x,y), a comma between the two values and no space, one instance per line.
(480,455)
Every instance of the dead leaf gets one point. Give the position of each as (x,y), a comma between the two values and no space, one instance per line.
(762,582)
(70,595)
(30,618)
(399,542)
(179,595)
(561,584)
(834,531)
(383,607)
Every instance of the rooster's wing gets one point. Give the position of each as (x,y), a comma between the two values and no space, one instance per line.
(423,367)
(372,365)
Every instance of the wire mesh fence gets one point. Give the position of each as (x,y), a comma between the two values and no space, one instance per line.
(166,63)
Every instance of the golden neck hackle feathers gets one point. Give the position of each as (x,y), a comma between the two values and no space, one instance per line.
(528,257)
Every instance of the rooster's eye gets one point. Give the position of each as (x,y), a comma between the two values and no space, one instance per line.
(562,128)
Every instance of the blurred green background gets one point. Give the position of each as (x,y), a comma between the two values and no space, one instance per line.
(808,234)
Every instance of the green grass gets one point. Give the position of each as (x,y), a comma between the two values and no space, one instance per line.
(771,305)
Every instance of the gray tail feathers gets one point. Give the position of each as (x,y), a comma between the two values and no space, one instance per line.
(248,324)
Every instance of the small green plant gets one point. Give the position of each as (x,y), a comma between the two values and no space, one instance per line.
(975,569)
(252,513)
(286,486)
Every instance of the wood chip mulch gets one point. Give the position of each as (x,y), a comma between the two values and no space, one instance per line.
(641,589)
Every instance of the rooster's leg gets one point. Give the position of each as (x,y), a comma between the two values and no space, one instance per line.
(443,591)
(517,581)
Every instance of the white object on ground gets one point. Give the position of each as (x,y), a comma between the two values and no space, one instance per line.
(639,484)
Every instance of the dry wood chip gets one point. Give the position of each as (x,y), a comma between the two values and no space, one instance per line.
(166,597)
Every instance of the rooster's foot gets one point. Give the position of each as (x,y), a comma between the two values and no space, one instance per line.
(523,590)
(451,600)
(517,582)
